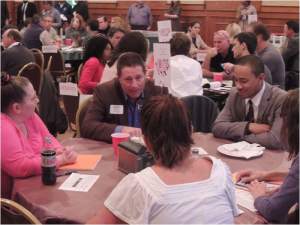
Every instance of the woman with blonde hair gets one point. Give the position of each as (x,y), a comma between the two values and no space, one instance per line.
(120,23)
(233,29)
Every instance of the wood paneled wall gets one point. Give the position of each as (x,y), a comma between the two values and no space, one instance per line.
(213,15)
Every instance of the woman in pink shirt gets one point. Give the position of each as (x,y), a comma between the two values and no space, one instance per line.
(23,134)
(97,51)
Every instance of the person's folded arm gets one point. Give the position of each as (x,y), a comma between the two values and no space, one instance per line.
(16,160)
(225,127)
(270,139)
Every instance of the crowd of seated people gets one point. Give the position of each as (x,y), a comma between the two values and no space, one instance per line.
(127,100)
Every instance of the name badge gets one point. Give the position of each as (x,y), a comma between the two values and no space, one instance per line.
(116,109)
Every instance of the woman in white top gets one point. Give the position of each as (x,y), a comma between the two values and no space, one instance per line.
(198,45)
(179,188)
(130,42)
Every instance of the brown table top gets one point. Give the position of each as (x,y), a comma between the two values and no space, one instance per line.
(56,206)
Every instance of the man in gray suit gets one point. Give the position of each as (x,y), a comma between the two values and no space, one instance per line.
(252,110)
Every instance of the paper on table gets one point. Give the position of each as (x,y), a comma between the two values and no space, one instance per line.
(84,162)
(245,199)
(79,182)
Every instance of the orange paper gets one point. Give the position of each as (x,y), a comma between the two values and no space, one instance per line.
(84,162)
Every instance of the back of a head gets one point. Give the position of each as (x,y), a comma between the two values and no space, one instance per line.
(14,34)
(261,29)
(293,25)
(131,42)
(114,30)
(12,90)
(180,44)
(249,39)
(93,25)
(130,59)
(290,122)
(95,47)
(254,62)
(36,19)
(167,129)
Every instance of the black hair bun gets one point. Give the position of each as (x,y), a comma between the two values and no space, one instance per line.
(5,78)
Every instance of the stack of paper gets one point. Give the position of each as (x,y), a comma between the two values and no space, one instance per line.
(84,162)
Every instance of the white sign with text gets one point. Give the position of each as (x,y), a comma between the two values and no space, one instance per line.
(164,29)
(162,71)
(68,88)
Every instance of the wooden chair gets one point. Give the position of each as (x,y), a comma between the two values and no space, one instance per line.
(71,104)
(14,213)
(83,106)
(57,66)
(79,72)
(39,57)
(34,73)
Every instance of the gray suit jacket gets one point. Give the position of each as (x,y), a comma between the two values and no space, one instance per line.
(230,123)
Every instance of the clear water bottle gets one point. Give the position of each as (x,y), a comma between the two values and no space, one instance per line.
(48,157)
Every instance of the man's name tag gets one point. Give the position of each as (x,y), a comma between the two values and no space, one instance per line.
(116,109)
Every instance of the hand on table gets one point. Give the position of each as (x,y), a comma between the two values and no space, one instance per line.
(132,131)
(256,128)
(247,176)
(67,156)
(257,189)
(228,67)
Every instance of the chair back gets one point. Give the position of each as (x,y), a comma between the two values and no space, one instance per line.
(79,72)
(203,112)
(39,57)
(71,104)
(83,106)
(14,213)
(33,72)
(57,66)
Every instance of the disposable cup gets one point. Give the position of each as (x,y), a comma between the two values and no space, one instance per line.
(218,76)
(118,138)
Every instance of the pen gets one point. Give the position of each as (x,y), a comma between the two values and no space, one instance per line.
(65,173)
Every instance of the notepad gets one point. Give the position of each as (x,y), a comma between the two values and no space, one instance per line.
(84,162)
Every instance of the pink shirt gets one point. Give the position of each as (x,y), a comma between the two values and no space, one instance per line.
(20,155)
(90,75)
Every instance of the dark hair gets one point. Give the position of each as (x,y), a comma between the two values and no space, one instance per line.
(180,44)
(249,39)
(36,19)
(290,122)
(14,34)
(193,23)
(113,30)
(104,18)
(294,25)
(254,62)
(261,29)
(130,42)
(12,90)
(167,127)
(129,59)
(93,24)
(95,47)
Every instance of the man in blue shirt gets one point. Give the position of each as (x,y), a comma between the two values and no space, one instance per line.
(139,16)
(117,104)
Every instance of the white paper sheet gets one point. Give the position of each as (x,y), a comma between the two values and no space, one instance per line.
(245,199)
(79,182)
(68,88)
(164,29)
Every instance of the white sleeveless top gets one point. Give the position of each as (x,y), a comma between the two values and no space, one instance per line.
(144,198)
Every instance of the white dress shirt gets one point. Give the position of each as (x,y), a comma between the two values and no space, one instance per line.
(255,101)
(186,76)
